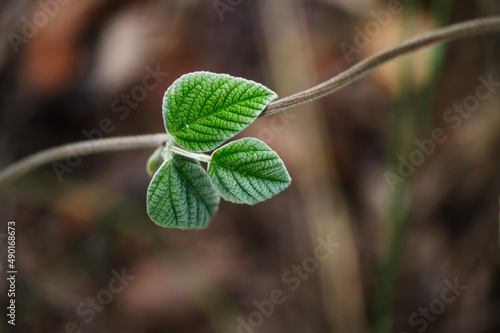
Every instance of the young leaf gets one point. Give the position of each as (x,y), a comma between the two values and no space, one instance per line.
(247,171)
(181,195)
(201,110)
(154,161)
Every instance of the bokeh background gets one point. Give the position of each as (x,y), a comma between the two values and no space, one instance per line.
(398,245)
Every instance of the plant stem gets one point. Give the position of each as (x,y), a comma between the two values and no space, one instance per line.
(199,157)
(449,33)
(452,32)
(81,148)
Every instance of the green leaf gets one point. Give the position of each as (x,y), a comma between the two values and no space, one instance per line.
(201,110)
(181,195)
(247,171)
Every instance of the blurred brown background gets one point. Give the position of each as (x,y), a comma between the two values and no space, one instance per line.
(67,65)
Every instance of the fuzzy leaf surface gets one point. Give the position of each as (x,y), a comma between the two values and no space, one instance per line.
(247,171)
(201,110)
(181,195)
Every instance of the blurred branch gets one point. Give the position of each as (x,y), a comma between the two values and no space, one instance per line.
(446,34)
(452,32)
(81,148)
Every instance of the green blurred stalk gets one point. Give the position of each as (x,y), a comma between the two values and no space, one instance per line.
(441,10)
(399,129)
(403,127)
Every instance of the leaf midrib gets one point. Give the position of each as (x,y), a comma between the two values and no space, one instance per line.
(246,173)
(189,185)
(219,110)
